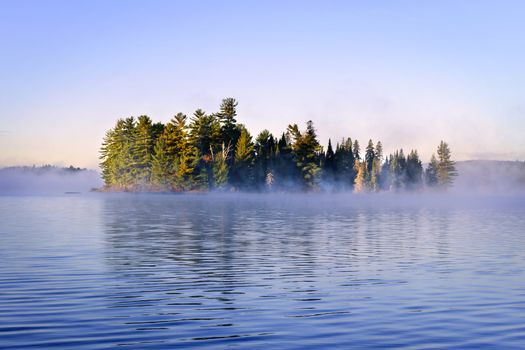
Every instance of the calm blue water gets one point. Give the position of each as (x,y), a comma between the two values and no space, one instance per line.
(261,272)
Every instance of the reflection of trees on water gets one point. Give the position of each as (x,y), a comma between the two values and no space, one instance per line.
(204,237)
(211,255)
(229,242)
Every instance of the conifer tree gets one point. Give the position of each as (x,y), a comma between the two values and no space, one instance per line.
(286,172)
(446,170)
(359,185)
(244,157)
(230,131)
(329,163)
(397,170)
(431,173)
(263,144)
(162,166)
(220,168)
(345,165)
(414,171)
(369,155)
(357,150)
(378,168)
(306,150)
(214,151)
(144,150)
(109,155)
(385,178)
(370,171)
(127,154)
(205,135)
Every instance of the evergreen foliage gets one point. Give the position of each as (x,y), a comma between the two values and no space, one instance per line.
(431,173)
(214,151)
(446,168)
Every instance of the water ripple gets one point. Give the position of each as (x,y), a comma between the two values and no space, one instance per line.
(166,272)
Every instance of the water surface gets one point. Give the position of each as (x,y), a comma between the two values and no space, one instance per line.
(261,271)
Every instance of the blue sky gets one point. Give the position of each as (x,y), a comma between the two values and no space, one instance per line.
(409,73)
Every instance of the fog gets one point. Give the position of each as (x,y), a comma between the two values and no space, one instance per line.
(47,180)
(503,178)
(490,177)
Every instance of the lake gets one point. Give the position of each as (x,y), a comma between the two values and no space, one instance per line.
(97,271)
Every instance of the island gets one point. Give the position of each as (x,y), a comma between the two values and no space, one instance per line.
(214,152)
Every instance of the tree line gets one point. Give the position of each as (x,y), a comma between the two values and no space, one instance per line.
(215,152)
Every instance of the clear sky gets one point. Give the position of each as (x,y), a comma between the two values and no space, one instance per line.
(408,73)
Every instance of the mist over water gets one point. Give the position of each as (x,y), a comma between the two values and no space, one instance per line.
(46,180)
(475,178)
(490,177)
(260,271)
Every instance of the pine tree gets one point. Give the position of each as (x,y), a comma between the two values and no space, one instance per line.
(359,185)
(244,158)
(397,171)
(285,172)
(186,168)
(127,156)
(143,153)
(329,163)
(446,170)
(370,155)
(230,131)
(385,178)
(357,150)
(431,173)
(263,144)
(414,171)
(109,155)
(306,149)
(220,168)
(370,171)
(378,168)
(227,114)
(162,166)
(205,132)
(205,135)
(345,165)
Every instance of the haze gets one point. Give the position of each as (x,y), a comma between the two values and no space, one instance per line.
(407,73)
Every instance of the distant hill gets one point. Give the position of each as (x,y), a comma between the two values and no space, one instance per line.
(46,179)
(490,176)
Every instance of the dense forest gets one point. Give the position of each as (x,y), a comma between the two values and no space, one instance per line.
(215,152)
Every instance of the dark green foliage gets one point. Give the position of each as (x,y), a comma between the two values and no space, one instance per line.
(220,168)
(329,163)
(369,156)
(162,166)
(431,177)
(357,150)
(264,152)
(414,171)
(213,151)
(205,132)
(229,130)
(397,171)
(243,169)
(285,170)
(306,150)
(144,148)
(446,170)
(345,171)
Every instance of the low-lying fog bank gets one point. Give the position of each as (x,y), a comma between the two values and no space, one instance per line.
(47,180)
(490,177)
(474,178)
